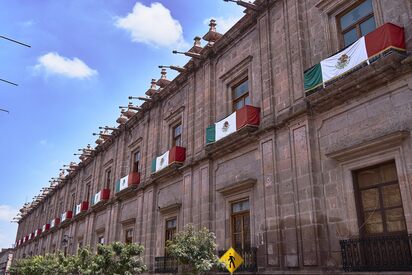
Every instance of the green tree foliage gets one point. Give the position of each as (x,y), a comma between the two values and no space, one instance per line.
(194,248)
(113,259)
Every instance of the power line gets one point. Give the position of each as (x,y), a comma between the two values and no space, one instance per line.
(9,82)
(15,41)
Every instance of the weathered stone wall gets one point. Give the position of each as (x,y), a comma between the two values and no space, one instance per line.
(295,169)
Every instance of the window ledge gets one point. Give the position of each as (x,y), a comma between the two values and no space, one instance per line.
(169,208)
(379,143)
(237,186)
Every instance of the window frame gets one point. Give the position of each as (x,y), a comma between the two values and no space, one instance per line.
(167,230)
(355,25)
(173,127)
(107,178)
(126,237)
(241,214)
(242,97)
(136,168)
(382,210)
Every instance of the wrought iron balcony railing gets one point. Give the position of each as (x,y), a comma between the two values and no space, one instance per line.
(166,265)
(249,257)
(383,253)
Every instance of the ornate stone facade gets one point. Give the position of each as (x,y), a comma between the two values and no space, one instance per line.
(295,170)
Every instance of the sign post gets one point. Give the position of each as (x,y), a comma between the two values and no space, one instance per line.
(232,260)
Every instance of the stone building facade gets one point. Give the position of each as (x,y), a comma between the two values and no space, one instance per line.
(293,191)
(6,257)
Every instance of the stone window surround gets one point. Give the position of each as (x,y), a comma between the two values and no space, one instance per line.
(127,225)
(230,196)
(132,149)
(347,165)
(168,214)
(233,77)
(331,9)
(170,121)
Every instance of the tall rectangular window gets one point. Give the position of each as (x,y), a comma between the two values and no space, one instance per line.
(177,135)
(108,178)
(128,236)
(379,200)
(241,225)
(100,239)
(171,228)
(357,22)
(73,201)
(240,95)
(88,191)
(136,161)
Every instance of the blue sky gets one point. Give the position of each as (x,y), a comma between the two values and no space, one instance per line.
(87,57)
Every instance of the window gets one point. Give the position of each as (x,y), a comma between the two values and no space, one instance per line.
(171,228)
(128,236)
(79,243)
(240,95)
(73,201)
(241,225)
(357,22)
(87,191)
(100,239)
(136,161)
(108,178)
(177,135)
(379,200)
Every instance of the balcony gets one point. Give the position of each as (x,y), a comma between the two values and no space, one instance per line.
(66,216)
(249,260)
(37,232)
(166,265)
(169,161)
(31,236)
(384,253)
(127,182)
(25,239)
(101,197)
(233,132)
(55,222)
(81,208)
(370,62)
(45,228)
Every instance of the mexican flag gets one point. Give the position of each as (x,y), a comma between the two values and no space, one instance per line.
(97,197)
(55,222)
(45,227)
(175,155)
(66,215)
(246,116)
(388,36)
(129,180)
(102,195)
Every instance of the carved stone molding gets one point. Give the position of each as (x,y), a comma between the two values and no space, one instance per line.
(376,144)
(237,186)
(174,207)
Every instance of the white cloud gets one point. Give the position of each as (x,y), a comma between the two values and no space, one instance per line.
(7,213)
(152,25)
(53,63)
(223,23)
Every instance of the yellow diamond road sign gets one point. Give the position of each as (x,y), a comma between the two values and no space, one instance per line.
(231,260)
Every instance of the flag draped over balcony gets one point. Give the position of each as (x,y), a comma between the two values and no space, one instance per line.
(131,179)
(388,36)
(246,116)
(175,155)
(102,195)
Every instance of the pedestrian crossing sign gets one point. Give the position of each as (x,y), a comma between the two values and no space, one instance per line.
(231,259)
